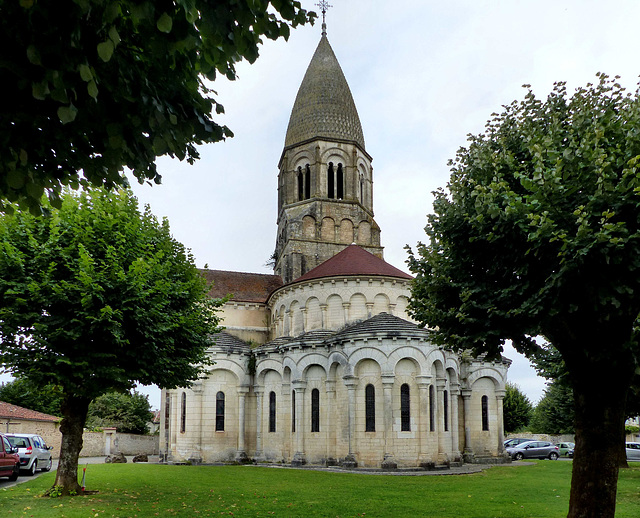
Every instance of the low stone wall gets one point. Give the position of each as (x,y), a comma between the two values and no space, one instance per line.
(98,444)
(543,437)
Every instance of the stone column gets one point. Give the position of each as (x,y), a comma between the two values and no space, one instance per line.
(443,445)
(241,454)
(369,309)
(387,393)
(468,454)
(330,423)
(423,417)
(288,325)
(346,306)
(455,433)
(500,414)
(304,319)
(392,309)
(299,458)
(259,391)
(351,382)
(283,424)
(195,422)
(323,312)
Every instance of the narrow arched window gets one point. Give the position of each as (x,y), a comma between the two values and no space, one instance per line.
(405,408)
(340,183)
(330,182)
(432,409)
(445,400)
(220,412)
(307,182)
(361,189)
(300,184)
(272,411)
(183,413)
(370,408)
(315,410)
(293,411)
(485,413)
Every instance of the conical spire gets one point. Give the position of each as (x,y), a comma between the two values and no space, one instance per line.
(324,106)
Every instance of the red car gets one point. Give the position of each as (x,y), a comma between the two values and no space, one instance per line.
(9,459)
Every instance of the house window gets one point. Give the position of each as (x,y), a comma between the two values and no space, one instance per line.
(183,413)
(485,413)
(370,408)
(315,410)
(330,181)
(445,399)
(405,409)
(432,409)
(272,411)
(293,411)
(220,412)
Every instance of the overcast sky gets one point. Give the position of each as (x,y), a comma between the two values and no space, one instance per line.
(423,75)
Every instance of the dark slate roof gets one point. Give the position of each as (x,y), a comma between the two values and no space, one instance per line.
(245,287)
(9,411)
(324,106)
(353,260)
(228,341)
(381,324)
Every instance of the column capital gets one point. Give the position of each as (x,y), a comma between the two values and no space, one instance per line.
(441,383)
(351,382)
(258,390)
(330,385)
(466,393)
(500,394)
(243,389)
(388,379)
(423,381)
(299,385)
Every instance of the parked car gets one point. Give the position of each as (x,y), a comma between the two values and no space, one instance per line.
(34,452)
(9,459)
(510,443)
(566,449)
(534,450)
(633,450)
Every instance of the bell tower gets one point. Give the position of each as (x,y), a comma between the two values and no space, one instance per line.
(325,183)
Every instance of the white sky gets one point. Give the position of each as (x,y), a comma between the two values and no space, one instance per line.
(423,75)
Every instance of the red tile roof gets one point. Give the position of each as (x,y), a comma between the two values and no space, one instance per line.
(9,411)
(353,260)
(245,287)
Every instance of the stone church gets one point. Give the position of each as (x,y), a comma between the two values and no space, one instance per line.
(320,363)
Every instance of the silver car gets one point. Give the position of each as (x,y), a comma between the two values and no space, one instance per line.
(633,450)
(534,450)
(34,452)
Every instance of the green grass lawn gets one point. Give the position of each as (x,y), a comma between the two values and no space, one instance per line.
(147,490)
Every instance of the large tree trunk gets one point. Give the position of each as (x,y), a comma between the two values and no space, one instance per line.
(74,411)
(599,424)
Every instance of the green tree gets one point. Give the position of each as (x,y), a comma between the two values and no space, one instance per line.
(539,236)
(93,86)
(97,296)
(554,414)
(516,409)
(128,412)
(24,393)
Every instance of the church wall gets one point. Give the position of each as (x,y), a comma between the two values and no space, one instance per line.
(329,303)
(246,320)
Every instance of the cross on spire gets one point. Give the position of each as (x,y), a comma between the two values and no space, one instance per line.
(324,5)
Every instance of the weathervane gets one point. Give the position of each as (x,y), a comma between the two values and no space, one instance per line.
(324,5)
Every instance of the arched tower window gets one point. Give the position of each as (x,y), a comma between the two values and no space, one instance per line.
(220,412)
(445,398)
(370,408)
(340,183)
(183,413)
(293,411)
(307,182)
(330,181)
(272,411)
(362,189)
(485,413)
(315,410)
(432,409)
(405,408)
(300,184)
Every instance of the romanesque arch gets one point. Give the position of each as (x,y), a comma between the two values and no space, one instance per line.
(346,231)
(328,230)
(309,227)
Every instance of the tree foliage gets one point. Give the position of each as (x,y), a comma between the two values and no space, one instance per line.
(128,412)
(96,296)
(93,86)
(554,414)
(516,409)
(24,393)
(539,235)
